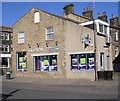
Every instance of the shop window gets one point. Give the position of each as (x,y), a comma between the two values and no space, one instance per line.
(36,17)
(21,61)
(49,33)
(82,61)
(74,62)
(91,61)
(46,63)
(53,63)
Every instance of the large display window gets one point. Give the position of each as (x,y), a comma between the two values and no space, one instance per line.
(21,61)
(45,63)
(82,61)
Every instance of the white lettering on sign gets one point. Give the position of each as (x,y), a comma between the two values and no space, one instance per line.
(43,49)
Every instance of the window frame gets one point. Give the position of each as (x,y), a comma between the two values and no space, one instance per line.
(17,62)
(49,33)
(21,41)
(4,48)
(36,17)
(116,36)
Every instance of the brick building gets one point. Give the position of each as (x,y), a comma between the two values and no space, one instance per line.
(50,46)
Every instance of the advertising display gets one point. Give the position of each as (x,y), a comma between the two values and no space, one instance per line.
(54,65)
(82,63)
(45,65)
(22,65)
(91,64)
(74,64)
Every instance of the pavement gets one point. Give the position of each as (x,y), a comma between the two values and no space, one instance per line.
(36,88)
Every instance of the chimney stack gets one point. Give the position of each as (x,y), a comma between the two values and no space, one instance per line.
(68,9)
(114,21)
(88,12)
(103,17)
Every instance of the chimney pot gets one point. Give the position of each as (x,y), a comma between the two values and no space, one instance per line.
(104,13)
(90,8)
(86,8)
(98,14)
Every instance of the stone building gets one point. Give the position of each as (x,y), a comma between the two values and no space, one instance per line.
(115,34)
(5,47)
(50,46)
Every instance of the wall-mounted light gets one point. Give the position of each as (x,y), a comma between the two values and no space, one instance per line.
(29,46)
(46,44)
(37,44)
(56,43)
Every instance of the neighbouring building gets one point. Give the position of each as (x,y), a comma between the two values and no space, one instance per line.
(115,34)
(5,48)
(50,46)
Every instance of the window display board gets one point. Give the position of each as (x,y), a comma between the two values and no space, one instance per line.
(53,63)
(74,62)
(21,61)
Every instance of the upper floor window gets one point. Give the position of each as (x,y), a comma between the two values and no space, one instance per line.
(4,36)
(5,48)
(36,17)
(103,29)
(21,37)
(116,36)
(49,33)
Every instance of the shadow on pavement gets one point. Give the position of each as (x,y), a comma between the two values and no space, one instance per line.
(5,96)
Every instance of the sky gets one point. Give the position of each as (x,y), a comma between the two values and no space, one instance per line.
(13,11)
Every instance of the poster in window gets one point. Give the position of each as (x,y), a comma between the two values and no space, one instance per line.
(74,64)
(54,65)
(91,64)
(22,63)
(82,63)
(46,65)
